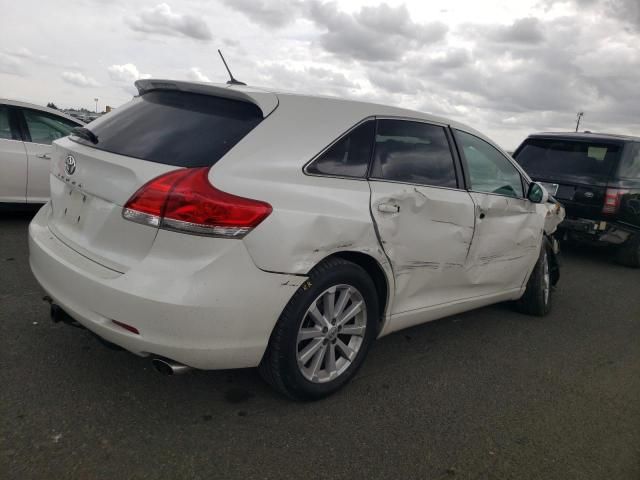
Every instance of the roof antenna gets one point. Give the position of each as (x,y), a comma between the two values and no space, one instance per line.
(232,81)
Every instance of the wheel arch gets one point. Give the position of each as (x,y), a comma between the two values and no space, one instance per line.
(375,271)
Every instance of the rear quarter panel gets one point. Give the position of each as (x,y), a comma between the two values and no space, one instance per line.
(312,216)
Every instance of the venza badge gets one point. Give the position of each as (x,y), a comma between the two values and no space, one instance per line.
(70,164)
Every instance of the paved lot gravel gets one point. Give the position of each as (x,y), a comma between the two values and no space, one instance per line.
(489,394)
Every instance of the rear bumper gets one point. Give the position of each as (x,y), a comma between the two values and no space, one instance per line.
(599,231)
(196,300)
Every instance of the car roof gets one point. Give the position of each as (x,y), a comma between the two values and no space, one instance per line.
(586,136)
(53,111)
(268,99)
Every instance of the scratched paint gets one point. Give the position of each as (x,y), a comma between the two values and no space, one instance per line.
(506,242)
(314,226)
(427,241)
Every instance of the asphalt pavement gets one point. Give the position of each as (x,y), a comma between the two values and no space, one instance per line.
(489,394)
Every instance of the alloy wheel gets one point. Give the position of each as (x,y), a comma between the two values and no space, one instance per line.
(331,333)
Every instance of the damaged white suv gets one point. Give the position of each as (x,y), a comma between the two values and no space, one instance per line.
(211,226)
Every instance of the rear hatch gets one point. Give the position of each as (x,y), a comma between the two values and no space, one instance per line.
(576,172)
(169,126)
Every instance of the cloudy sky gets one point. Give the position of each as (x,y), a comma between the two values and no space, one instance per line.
(506,67)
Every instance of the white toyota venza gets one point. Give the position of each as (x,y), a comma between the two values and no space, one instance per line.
(213,227)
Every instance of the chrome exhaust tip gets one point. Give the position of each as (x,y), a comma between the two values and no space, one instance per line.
(168,367)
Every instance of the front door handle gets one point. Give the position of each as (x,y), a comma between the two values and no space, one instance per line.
(44,155)
(388,208)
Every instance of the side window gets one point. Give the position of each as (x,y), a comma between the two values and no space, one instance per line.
(6,132)
(489,170)
(45,128)
(349,157)
(413,152)
(630,166)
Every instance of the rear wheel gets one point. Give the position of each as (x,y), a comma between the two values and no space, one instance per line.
(324,332)
(629,253)
(537,296)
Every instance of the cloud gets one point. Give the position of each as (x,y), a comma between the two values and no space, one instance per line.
(373,34)
(22,52)
(11,65)
(195,75)
(79,79)
(317,79)
(269,13)
(450,59)
(524,30)
(161,20)
(127,73)
(395,82)
(625,11)
(379,33)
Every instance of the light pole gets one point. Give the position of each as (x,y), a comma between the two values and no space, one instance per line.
(96,100)
(580,115)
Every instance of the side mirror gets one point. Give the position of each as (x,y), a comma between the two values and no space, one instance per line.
(537,193)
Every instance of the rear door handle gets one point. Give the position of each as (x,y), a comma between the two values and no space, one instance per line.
(388,208)
(44,155)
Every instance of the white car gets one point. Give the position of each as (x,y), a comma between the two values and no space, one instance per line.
(26,134)
(215,227)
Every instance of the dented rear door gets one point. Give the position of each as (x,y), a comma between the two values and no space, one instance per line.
(426,233)
(424,220)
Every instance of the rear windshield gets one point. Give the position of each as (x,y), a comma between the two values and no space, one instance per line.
(175,128)
(542,157)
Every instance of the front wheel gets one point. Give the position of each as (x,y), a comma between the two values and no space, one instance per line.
(324,332)
(537,296)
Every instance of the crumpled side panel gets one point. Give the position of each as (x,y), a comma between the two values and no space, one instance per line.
(316,223)
(427,241)
(506,242)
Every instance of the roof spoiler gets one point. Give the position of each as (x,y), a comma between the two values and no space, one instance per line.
(265,101)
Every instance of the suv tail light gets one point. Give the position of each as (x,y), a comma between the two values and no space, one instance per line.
(185,201)
(612,200)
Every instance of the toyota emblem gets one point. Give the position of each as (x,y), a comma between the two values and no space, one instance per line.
(70,164)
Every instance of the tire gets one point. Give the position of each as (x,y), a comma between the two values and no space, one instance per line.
(537,296)
(629,253)
(287,364)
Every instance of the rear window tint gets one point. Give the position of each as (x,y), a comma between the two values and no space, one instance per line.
(175,128)
(349,156)
(542,157)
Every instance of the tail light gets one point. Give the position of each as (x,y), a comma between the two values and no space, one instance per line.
(612,200)
(185,201)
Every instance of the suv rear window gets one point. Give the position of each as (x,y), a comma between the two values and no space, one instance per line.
(542,157)
(175,128)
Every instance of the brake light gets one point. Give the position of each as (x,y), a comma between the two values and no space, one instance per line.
(185,201)
(612,200)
